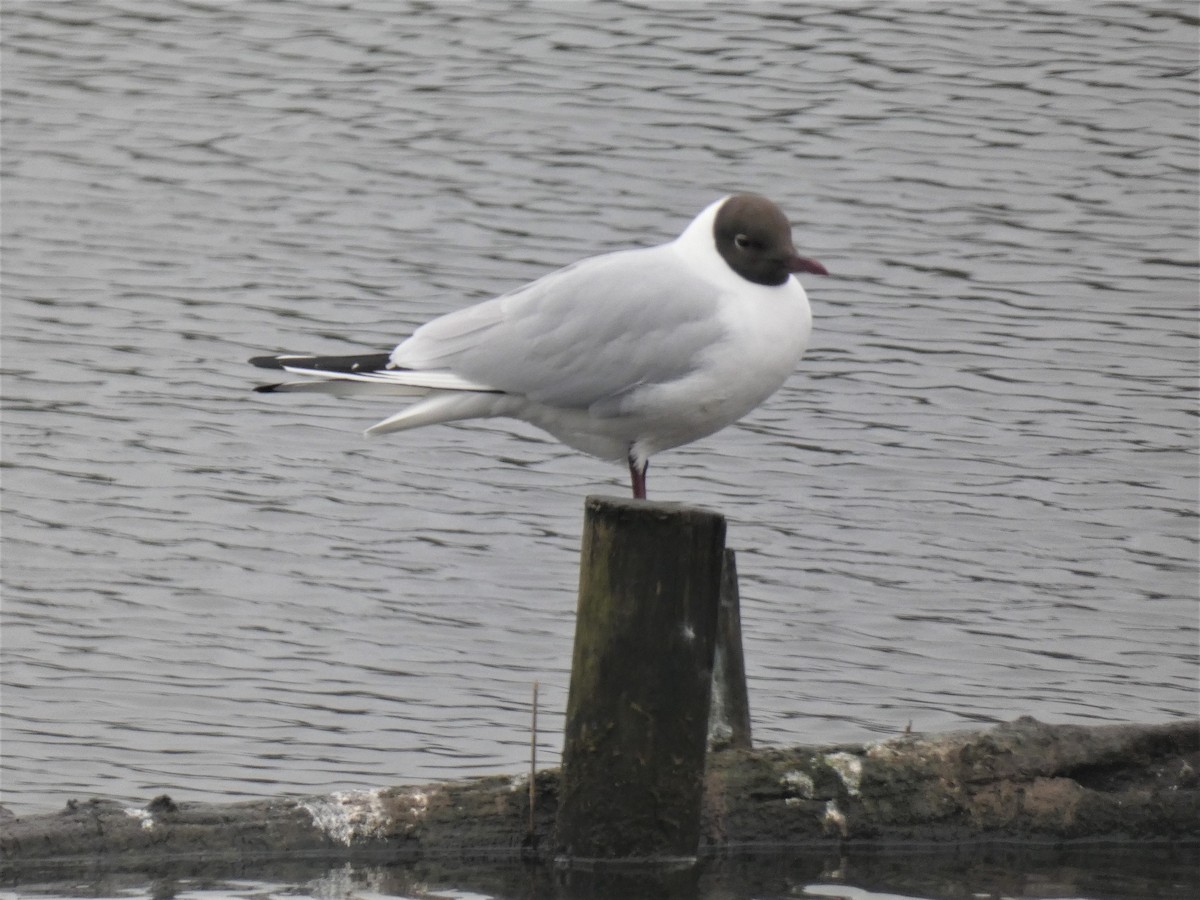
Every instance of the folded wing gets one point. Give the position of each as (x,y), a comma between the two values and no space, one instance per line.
(585,334)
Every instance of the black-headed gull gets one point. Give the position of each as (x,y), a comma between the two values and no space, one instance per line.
(620,355)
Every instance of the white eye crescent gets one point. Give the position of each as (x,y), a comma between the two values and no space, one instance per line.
(741,241)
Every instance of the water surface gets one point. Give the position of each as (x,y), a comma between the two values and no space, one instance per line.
(976,498)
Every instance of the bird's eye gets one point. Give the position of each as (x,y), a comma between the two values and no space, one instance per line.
(741,241)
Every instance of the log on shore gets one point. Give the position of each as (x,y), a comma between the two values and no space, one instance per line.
(1019,781)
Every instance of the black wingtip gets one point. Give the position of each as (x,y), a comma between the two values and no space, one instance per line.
(267,388)
(369,362)
(267,362)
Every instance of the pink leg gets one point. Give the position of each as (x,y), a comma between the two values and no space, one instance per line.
(637,471)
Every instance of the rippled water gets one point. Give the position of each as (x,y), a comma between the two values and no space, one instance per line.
(976,499)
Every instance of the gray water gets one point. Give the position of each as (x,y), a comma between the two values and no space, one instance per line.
(975,499)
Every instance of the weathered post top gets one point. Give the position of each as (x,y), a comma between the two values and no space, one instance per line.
(637,711)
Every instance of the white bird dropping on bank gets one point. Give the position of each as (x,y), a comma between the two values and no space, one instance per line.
(619,356)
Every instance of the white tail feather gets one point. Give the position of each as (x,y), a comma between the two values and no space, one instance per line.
(444,407)
(436,380)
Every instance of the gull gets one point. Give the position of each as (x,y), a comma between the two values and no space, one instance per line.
(619,356)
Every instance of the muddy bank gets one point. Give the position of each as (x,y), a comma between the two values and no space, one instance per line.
(1023,781)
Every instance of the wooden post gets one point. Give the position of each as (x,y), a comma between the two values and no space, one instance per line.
(729,718)
(641,680)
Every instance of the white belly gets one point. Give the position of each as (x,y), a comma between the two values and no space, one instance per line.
(766,336)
